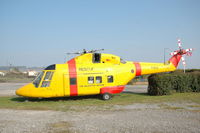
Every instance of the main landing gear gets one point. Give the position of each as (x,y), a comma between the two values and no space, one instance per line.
(106,96)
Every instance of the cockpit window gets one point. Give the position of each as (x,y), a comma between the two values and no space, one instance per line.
(47,79)
(122,61)
(51,67)
(37,80)
(48,76)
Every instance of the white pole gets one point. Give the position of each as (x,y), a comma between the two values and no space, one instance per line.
(184,68)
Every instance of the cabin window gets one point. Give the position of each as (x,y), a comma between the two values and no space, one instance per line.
(110,79)
(47,79)
(90,80)
(98,79)
(122,61)
(96,58)
(72,81)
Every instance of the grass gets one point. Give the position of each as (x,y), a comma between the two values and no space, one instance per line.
(194,106)
(93,102)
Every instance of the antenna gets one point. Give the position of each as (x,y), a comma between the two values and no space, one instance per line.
(164,53)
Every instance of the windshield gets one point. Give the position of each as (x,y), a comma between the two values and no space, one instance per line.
(37,80)
(47,79)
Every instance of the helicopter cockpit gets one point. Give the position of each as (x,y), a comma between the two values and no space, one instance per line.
(44,78)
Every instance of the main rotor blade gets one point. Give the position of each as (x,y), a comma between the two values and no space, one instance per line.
(74,53)
(92,51)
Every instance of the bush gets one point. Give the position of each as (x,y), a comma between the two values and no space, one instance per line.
(159,85)
(195,85)
(165,84)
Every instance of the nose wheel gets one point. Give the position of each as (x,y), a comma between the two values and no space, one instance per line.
(106,96)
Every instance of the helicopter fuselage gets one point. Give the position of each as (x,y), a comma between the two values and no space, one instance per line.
(89,74)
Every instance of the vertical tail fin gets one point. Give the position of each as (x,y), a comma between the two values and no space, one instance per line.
(175,59)
(177,55)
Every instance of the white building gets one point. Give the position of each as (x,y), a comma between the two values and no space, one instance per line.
(32,73)
(2,74)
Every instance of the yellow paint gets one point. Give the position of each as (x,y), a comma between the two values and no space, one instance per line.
(109,65)
(150,68)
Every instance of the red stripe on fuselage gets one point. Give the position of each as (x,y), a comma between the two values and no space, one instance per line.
(73,74)
(138,68)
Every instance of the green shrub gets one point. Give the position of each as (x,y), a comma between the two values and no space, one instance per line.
(165,84)
(195,85)
(159,85)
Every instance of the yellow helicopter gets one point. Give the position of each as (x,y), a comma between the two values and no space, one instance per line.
(93,73)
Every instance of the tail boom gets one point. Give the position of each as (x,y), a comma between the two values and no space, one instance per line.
(143,68)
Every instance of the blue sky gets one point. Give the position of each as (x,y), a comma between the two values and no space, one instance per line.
(40,32)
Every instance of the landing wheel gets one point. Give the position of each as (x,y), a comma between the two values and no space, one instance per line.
(106,96)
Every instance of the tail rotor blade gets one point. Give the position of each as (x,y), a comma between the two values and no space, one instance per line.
(189,49)
(189,53)
(179,43)
(173,53)
(183,61)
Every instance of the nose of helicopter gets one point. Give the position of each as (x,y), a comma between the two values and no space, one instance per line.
(21,91)
(24,91)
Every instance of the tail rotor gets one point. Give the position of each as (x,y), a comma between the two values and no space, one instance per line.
(181,52)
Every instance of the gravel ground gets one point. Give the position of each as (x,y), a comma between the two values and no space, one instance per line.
(122,119)
(142,118)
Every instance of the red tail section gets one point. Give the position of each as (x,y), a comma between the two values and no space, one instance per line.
(175,59)
(177,55)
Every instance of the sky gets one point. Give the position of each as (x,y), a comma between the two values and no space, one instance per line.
(41,32)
